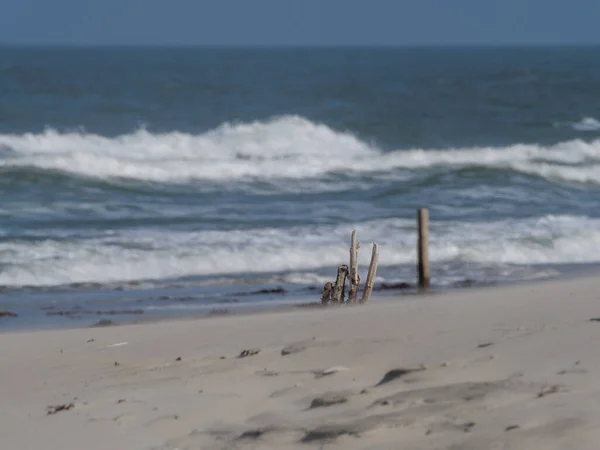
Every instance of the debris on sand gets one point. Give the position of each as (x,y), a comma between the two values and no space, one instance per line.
(549,390)
(248,352)
(485,344)
(58,408)
(291,349)
(330,371)
(467,427)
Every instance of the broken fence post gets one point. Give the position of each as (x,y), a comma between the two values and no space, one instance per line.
(354,278)
(423,248)
(340,284)
(371,275)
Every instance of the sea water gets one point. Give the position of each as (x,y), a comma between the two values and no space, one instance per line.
(171,181)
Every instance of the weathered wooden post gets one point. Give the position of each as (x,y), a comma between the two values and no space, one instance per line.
(354,278)
(327,291)
(340,284)
(423,248)
(371,275)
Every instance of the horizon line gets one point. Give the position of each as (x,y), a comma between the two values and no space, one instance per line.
(290,46)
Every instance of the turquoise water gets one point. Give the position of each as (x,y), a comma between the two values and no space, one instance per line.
(169,181)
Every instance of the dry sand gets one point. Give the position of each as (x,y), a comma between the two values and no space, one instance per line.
(503,368)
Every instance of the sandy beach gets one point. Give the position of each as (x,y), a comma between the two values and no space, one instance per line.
(498,368)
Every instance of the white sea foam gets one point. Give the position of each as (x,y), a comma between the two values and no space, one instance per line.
(300,251)
(288,148)
(587,124)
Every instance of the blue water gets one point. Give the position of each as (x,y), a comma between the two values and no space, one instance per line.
(171,181)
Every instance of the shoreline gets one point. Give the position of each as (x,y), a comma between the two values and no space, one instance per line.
(309,300)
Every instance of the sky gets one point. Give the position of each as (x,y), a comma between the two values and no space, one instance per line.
(299,22)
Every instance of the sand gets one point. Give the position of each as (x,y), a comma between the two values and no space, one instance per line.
(501,368)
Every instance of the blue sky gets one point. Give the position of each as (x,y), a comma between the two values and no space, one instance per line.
(299,22)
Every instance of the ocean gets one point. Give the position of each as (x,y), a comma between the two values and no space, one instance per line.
(159,182)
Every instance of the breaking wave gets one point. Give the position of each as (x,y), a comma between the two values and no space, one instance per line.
(284,148)
(299,251)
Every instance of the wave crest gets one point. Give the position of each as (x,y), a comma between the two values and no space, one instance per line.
(285,148)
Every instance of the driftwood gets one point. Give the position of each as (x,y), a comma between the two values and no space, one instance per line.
(354,277)
(371,275)
(327,293)
(340,284)
(335,292)
(423,248)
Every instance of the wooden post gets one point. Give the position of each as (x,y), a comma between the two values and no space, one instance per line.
(340,284)
(371,275)
(423,248)
(354,278)
(327,291)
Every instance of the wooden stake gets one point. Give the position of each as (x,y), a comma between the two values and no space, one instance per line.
(423,248)
(327,291)
(354,278)
(340,284)
(371,275)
